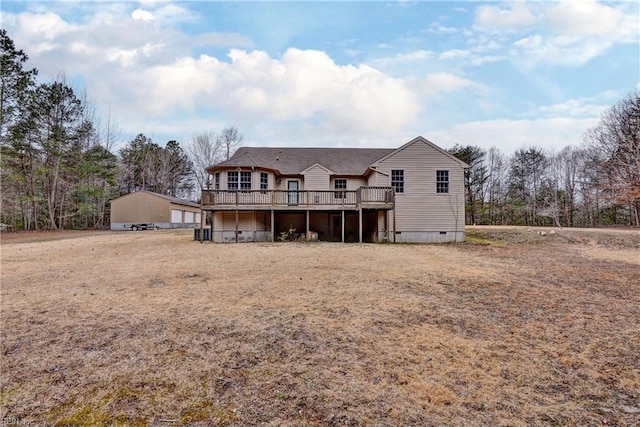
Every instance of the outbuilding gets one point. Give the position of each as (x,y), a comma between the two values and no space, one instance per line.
(153,210)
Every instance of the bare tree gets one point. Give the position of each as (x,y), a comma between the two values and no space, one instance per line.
(230,139)
(108,132)
(204,150)
(496,187)
(615,142)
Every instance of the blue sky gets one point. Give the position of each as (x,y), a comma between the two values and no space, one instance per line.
(361,74)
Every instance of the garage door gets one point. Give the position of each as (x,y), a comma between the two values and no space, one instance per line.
(176,216)
(198,218)
(188,217)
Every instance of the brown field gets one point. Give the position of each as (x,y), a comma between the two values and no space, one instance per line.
(151,328)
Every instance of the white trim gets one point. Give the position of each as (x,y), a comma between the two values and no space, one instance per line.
(425,141)
(329,171)
(435,187)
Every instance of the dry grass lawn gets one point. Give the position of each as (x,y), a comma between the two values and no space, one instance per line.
(151,328)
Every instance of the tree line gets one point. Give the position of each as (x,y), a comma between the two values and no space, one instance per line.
(58,168)
(592,185)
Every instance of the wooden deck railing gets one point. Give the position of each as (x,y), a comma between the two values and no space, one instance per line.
(283,198)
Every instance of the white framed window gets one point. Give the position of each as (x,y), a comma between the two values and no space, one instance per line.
(245,180)
(264,181)
(293,197)
(216,181)
(442,182)
(232,180)
(397,180)
(340,184)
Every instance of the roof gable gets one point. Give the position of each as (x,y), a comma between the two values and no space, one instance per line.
(317,165)
(422,140)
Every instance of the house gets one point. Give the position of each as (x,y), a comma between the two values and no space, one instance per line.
(146,207)
(414,193)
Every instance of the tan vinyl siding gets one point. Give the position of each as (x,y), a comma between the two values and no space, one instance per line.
(247,221)
(353,183)
(281,182)
(377,179)
(262,220)
(382,221)
(419,208)
(217,221)
(140,207)
(316,178)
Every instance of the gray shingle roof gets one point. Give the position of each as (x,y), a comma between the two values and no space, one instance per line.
(175,200)
(291,161)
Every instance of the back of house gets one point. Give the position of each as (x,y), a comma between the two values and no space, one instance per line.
(414,193)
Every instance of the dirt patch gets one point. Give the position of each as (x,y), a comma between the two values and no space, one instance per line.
(151,328)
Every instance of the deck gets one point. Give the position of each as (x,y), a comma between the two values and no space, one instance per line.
(362,198)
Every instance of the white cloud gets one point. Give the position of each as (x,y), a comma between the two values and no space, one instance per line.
(559,50)
(588,107)
(141,71)
(172,14)
(568,33)
(302,85)
(438,28)
(466,57)
(511,16)
(110,37)
(142,15)
(583,18)
(46,26)
(552,134)
(221,39)
(403,58)
(446,82)
(455,54)
(143,67)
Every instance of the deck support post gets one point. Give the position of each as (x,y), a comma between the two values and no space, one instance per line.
(360,225)
(273,223)
(202,223)
(394,224)
(237,220)
(253,225)
(342,224)
(308,229)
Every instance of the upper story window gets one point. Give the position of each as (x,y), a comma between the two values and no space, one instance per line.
(245,180)
(397,180)
(216,181)
(442,182)
(339,184)
(232,180)
(264,181)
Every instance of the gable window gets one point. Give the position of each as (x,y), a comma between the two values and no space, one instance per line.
(216,179)
(340,184)
(397,180)
(245,180)
(442,182)
(264,181)
(232,180)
